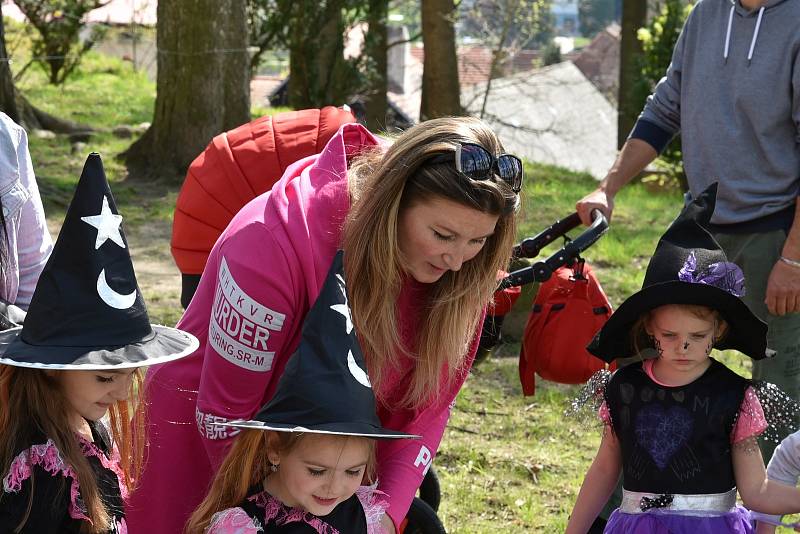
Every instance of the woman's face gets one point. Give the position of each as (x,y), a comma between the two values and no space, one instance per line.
(320,472)
(91,393)
(439,235)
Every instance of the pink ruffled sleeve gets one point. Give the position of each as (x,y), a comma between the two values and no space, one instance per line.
(751,421)
(232,521)
(46,456)
(374,504)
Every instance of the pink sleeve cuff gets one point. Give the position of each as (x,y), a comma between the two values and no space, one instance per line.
(751,421)
(604,414)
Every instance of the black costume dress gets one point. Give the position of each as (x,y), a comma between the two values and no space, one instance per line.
(676,447)
(56,506)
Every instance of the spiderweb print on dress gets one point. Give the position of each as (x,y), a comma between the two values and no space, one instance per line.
(662,431)
(590,398)
(780,411)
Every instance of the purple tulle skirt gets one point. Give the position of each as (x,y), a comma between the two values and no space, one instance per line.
(656,521)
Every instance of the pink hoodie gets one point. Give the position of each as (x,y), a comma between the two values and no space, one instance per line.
(262,277)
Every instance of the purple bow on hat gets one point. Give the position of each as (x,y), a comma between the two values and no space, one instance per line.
(723,275)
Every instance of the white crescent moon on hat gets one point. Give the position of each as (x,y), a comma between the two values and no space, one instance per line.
(357,372)
(111,297)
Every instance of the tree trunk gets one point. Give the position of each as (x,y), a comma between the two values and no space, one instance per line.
(634,16)
(376,48)
(318,72)
(202,87)
(8,103)
(440,90)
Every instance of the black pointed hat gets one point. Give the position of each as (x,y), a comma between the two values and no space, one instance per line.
(87,311)
(325,388)
(688,267)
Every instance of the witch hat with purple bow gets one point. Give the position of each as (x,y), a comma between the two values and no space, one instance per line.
(688,267)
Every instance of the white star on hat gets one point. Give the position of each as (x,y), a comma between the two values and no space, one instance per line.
(107,225)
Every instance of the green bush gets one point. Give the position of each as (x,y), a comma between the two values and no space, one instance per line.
(658,39)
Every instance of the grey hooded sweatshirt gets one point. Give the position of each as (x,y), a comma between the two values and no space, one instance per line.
(733,91)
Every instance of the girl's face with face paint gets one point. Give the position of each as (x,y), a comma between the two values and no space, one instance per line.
(683,340)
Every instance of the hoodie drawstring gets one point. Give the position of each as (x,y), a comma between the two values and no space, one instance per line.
(752,41)
(728,33)
(755,34)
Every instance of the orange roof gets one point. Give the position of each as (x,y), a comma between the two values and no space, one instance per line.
(474,62)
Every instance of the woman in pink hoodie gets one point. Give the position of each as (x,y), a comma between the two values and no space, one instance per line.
(425,225)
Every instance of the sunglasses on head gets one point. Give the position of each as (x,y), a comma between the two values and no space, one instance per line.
(477,163)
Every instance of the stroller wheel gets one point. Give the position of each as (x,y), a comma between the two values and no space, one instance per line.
(430,491)
(421,519)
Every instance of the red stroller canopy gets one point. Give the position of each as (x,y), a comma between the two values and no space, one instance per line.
(236,167)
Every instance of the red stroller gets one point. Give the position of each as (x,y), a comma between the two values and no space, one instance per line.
(567,311)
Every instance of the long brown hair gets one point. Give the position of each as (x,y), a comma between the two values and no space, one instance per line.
(247,464)
(382,185)
(32,403)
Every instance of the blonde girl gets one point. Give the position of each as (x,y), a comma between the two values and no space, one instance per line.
(681,428)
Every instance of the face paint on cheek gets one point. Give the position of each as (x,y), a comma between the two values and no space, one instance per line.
(710,347)
(657,345)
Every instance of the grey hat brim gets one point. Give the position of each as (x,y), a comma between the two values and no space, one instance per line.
(164,345)
(336,429)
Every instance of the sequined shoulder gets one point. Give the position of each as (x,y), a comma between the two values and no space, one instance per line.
(591,396)
(780,410)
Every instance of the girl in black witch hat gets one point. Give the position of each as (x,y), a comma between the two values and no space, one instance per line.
(73,365)
(299,465)
(681,428)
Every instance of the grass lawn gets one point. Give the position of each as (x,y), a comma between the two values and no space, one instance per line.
(507,463)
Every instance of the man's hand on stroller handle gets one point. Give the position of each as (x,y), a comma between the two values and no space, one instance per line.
(635,155)
(597,200)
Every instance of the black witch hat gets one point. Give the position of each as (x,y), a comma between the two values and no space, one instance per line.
(325,388)
(87,311)
(688,267)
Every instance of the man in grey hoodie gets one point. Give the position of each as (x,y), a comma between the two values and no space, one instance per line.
(733,92)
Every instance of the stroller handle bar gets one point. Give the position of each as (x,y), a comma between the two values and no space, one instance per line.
(543,270)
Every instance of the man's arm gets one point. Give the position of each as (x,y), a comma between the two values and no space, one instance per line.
(635,155)
(659,122)
(783,284)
